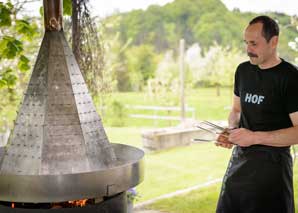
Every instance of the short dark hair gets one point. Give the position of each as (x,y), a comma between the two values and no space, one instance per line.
(270,27)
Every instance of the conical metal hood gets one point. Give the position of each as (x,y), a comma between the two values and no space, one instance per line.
(57,130)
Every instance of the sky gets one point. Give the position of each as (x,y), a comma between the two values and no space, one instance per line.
(103,8)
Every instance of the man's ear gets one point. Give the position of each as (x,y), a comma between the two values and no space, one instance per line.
(274,41)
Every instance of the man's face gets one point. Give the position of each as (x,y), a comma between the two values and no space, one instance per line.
(258,49)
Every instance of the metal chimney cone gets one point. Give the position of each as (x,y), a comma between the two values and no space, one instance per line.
(58,149)
(57,130)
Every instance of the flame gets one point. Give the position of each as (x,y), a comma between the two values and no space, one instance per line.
(67,204)
(78,203)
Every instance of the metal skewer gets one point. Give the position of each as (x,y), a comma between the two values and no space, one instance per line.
(202,140)
(210,131)
(214,125)
(222,133)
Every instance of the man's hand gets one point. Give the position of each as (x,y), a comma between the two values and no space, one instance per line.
(223,140)
(243,137)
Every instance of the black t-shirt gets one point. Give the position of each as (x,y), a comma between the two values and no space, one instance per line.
(267,96)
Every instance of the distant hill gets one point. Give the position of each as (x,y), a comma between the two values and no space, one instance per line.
(202,21)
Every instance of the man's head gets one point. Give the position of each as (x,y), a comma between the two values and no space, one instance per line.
(261,38)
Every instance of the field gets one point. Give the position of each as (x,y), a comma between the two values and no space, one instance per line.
(180,167)
(206,103)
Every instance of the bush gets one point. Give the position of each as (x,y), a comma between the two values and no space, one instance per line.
(116,114)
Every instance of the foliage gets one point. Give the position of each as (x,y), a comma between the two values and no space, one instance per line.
(89,52)
(18,42)
(116,114)
(67,7)
(132,194)
(294,44)
(14,33)
(154,32)
(141,63)
(166,81)
(115,58)
(203,21)
(218,66)
(89,49)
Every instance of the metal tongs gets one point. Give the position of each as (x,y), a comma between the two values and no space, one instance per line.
(218,130)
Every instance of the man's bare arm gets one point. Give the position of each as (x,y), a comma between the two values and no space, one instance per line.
(234,116)
(282,137)
(277,138)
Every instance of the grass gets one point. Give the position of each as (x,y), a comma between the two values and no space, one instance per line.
(180,168)
(205,101)
(203,200)
(171,170)
(177,168)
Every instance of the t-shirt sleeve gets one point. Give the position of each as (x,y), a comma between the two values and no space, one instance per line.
(236,82)
(292,93)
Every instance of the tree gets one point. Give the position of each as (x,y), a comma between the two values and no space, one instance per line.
(165,84)
(16,53)
(217,67)
(294,44)
(89,50)
(141,64)
(14,33)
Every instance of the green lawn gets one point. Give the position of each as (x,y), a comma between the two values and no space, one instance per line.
(203,200)
(180,168)
(174,169)
(205,101)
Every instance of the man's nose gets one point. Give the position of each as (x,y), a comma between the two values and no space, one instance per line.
(248,48)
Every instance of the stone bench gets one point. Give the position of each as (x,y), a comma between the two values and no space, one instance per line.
(161,139)
(165,138)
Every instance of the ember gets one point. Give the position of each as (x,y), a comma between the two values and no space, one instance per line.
(77,203)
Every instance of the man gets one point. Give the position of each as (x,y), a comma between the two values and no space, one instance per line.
(263,125)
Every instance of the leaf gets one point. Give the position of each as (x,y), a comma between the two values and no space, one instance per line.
(25,28)
(9,77)
(23,63)
(11,80)
(5,12)
(41,11)
(2,83)
(10,47)
(67,7)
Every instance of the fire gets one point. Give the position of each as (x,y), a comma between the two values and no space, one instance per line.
(66,204)
(78,203)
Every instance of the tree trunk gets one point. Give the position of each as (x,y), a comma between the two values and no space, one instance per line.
(76,29)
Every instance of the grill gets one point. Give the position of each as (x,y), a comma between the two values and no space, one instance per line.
(58,157)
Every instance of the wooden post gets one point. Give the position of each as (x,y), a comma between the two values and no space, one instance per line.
(182,76)
(53,15)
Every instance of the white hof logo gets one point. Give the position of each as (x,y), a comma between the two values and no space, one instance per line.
(252,98)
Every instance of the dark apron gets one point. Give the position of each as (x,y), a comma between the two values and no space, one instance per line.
(259,179)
